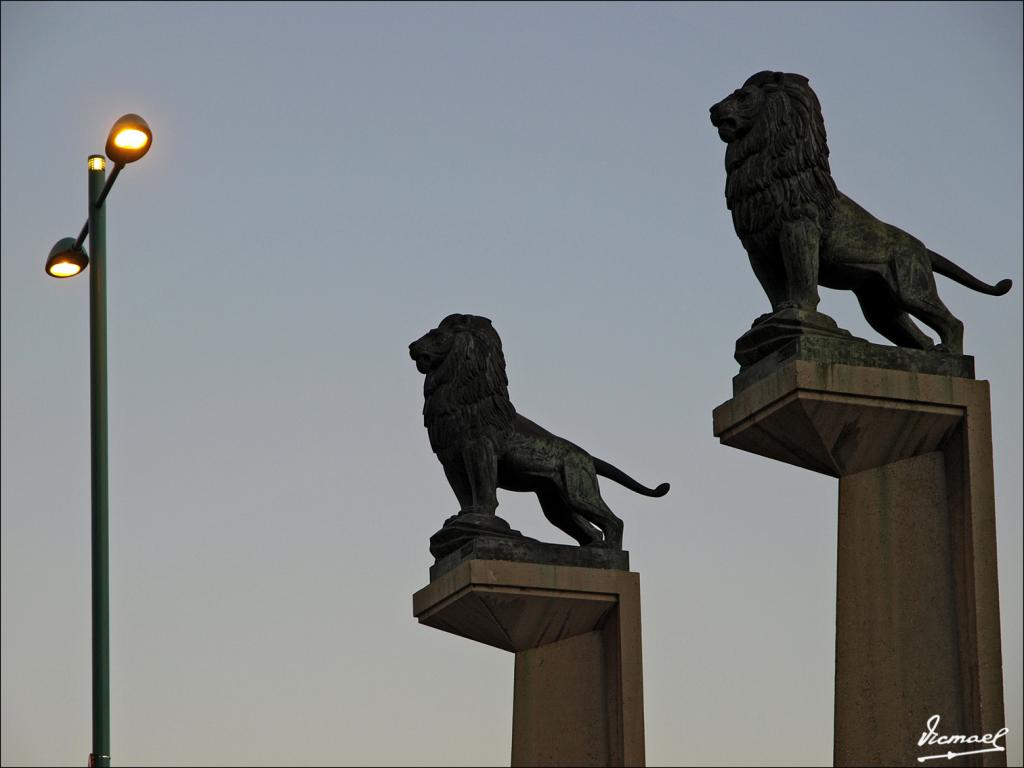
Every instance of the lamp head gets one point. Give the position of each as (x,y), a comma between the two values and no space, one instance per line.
(129,139)
(65,260)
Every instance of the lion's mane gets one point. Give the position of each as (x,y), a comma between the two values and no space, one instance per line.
(466,396)
(778,170)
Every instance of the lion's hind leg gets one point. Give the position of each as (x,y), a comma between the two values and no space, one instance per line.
(583,495)
(598,513)
(918,295)
(888,318)
(932,311)
(561,515)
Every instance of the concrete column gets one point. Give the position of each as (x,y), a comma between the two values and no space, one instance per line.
(917,597)
(575,632)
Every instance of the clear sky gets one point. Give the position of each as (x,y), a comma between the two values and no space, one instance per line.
(327,181)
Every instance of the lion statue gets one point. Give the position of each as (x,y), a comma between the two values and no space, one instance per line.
(483,444)
(800,231)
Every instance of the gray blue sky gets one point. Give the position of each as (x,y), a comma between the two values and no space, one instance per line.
(327,181)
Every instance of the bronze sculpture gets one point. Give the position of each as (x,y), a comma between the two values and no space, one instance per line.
(800,231)
(484,444)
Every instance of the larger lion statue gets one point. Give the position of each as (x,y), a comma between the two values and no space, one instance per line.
(483,444)
(800,231)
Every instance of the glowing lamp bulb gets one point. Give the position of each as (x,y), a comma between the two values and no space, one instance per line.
(64,269)
(130,138)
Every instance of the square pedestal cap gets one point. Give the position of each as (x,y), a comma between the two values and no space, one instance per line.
(519,606)
(819,413)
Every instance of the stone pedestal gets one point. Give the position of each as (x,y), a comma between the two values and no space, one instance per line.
(575,633)
(917,597)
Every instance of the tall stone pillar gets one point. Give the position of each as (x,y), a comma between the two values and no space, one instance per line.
(908,434)
(575,633)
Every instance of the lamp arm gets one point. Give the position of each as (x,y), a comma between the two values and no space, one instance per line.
(99,203)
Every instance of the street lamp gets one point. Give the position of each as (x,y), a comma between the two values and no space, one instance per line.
(130,138)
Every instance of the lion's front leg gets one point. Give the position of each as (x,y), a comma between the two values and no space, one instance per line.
(481,461)
(771,275)
(798,244)
(459,481)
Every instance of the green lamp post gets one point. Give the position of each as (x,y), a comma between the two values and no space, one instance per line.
(129,139)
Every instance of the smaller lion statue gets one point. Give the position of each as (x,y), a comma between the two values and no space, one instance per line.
(484,444)
(800,231)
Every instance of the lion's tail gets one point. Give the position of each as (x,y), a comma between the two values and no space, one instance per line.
(944,266)
(604,469)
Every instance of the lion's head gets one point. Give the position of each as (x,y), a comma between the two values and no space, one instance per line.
(776,161)
(466,389)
